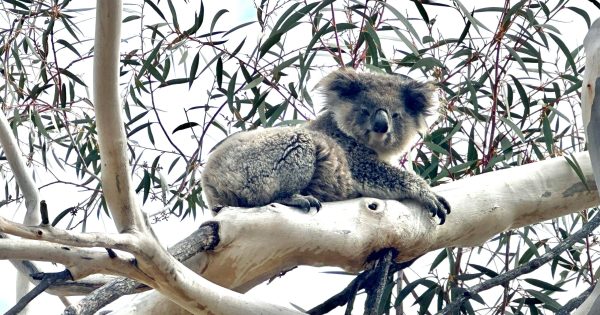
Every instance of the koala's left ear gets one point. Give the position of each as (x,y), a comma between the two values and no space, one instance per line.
(416,96)
(344,83)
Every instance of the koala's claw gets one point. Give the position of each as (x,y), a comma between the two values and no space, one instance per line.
(437,206)
(302,202)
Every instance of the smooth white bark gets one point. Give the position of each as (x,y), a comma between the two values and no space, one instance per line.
(168,276)
(344,233)
(590,107)
(29,190)
(112,140)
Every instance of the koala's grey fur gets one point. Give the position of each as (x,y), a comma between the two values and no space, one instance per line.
(343,154)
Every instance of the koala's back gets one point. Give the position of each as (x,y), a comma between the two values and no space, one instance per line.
(255,168)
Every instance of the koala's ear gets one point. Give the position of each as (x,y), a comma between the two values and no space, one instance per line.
(417,97)
(344,83)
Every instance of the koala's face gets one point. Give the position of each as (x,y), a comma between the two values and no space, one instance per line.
(383,112)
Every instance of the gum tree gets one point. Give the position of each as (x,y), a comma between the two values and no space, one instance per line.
(504,151)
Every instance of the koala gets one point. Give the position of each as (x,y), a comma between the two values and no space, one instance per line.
(344,153)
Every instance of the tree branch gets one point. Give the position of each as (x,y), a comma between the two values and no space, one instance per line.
(112,140)
(531,266)
(590,110)
(47,280)
(348,231)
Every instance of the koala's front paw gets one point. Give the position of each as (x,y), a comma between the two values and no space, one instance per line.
(436,205)
(302,202)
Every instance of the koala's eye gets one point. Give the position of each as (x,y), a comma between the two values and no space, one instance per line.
(395,115)
(364,112)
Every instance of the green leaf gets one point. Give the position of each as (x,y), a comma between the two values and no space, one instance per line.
(322,31)
(488,272)
(231,90)
(470,17)
(522,95)
(548,136)
(436,148)
(198,19)
(544,285)
(185,126)
(149,60)
(516,57)
(173,14)
(549,302)
(239,27)
(273,39)
(285,14)
(138,128)
(174,82)
(69,46)
(194,69)
(146,184)
(131,18)
(422,11)
(216,18)
(18,4)
(427,63)
(438,259)
(237,49)
(583,14)
(219,72)
(409,288)
(406,41)
(577,169)
(404,21)
(39,124)
(156,9)
(514,127)
(72,76)
(254,83)
(154,72)
(283,65)
(61,215)
(294,18)
(284,24)
(565,51)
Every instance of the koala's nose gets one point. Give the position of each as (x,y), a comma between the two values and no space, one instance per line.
(380,121)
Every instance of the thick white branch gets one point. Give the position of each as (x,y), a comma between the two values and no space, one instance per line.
(20,171)
(80,262)
(591,45)
(590,108)
(54,235)
(116,182)
(28,188)
(256,244)
(169,277)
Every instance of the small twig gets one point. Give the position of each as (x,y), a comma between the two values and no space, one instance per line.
(47,279)
(337,39)
(109,292)
(524,269)
(346,296)
(44,212)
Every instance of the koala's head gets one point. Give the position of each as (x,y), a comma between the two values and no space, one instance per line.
(383,112)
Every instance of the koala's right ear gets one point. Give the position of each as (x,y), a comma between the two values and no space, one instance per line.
(344,83)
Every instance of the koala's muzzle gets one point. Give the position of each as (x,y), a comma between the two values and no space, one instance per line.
(381,121)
